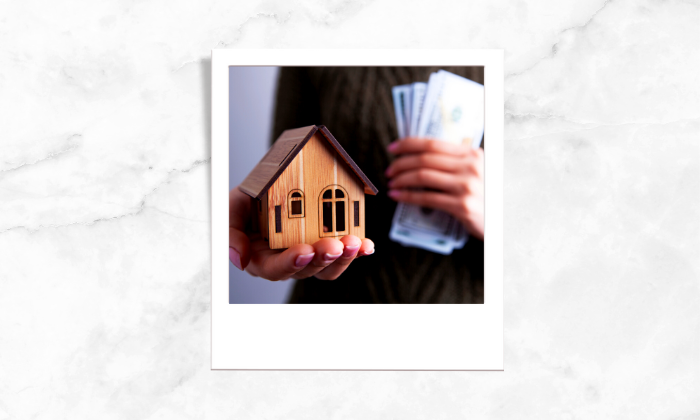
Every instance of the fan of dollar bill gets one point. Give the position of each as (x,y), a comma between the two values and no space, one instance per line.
(449,108)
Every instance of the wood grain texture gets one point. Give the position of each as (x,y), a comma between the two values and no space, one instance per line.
(333,211)
(356,213)
(285,150)
(276,160)
(291,200)
(368,186)
(278,219)
(290,179)
(313,169)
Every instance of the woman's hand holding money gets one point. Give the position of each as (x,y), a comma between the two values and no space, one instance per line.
(325,259)
(440,175)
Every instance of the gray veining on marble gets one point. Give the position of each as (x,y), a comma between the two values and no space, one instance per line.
(105,214)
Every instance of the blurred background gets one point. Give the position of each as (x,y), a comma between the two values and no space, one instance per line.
(251,107)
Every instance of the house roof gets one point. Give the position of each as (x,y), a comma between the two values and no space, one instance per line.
(281,154)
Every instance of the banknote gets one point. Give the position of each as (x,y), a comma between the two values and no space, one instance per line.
(462,237)
(415,238)
(411,230)
(449,108)
(408,108)
(430,97)
(417,96)
(454,110)
(409,235)
(400,96)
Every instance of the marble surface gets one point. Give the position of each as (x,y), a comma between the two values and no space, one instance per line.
(105,215)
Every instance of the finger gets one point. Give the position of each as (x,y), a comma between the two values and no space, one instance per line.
(327,250)
(276,265)
(478,166)
(260,248)
(432,178)
(367,248)
(238,242)
(238,248)
(430,199)
(445,163)
(351,245)
(262,257)
(421,145)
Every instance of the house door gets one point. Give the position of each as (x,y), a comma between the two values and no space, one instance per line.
(333,211)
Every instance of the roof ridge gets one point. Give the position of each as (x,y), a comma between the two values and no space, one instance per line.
(265,173)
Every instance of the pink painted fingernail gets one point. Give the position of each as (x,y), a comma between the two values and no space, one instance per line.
(303,260)
(235,258)
(349,251)
(368,253)
(393,193)
(329,258)
(392,147)
(388,171)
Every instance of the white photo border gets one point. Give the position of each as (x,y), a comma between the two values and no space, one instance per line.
(358,337)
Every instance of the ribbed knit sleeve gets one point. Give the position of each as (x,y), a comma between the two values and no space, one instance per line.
(297,102)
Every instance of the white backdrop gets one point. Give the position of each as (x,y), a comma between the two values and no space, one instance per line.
(105,216)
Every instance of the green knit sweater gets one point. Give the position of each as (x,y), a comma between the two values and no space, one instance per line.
(355,103)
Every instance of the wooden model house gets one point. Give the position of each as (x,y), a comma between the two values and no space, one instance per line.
(306,188)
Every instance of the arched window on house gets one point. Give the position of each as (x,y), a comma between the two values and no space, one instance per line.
(296,204)
(333,211)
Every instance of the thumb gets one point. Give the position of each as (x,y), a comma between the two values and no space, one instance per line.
(238,248)
(238,215)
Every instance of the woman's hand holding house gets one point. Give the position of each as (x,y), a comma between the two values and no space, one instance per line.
(326,259)
(442,176)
